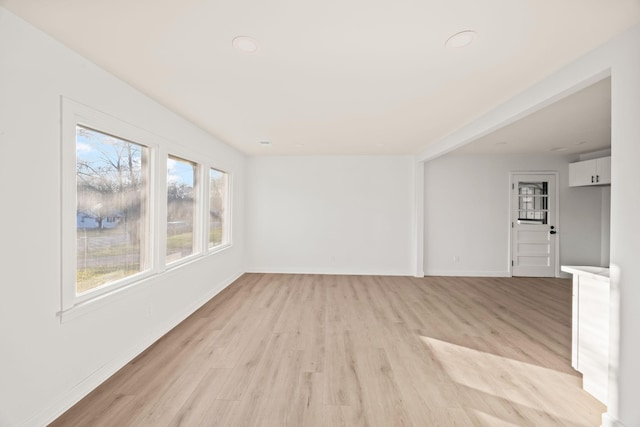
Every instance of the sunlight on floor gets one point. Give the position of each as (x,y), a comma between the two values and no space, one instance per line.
(513,389)
(492,420)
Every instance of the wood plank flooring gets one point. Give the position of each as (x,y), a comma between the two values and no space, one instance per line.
(315,350)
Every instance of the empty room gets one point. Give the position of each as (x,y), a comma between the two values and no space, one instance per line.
(337,213)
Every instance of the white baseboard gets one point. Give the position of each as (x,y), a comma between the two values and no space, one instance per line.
(467,273)
(73,396)
(609,421)
(330,271)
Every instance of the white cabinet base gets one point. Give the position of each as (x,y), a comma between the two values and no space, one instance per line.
(590,328)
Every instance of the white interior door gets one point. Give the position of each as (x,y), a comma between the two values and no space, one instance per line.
(533,225)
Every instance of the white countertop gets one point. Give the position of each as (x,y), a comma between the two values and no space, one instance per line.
(598,273)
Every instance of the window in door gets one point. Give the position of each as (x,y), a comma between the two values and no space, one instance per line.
(533,202)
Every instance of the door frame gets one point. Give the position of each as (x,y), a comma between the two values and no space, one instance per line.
(556,218)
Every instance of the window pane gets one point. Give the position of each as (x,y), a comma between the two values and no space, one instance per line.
(111,214)
(533,202)
(218,197)
(533,188)
(181,208)
(533,217)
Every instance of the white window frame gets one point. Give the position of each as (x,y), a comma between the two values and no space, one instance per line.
(198,227)
(227,220)
(76,114)
(73,114)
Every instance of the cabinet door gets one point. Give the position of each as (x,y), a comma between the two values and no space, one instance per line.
(582,173)
(603,170)
(593,336)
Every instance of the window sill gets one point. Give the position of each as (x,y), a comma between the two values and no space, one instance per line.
(219,248)
(88,305)
(101,300)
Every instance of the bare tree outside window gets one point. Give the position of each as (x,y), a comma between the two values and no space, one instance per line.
(111,215)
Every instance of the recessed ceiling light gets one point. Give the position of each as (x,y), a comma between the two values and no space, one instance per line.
(461,39)
(265,143)
(245,44)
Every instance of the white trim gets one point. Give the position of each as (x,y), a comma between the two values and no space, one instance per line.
(219,248)
(103,299)
(74,113)
(160,207)
(609,421)
(418,220)
(330,272)
(205,181)
(532,99)
(120,292)
(185,259)
(198,228)
(73,396)
(227,214)
(467,273)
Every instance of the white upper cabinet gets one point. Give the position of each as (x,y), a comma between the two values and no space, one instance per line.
(590,172)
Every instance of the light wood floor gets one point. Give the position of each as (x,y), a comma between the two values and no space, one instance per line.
(311,350)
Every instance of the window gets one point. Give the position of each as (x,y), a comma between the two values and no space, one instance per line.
(114,215)
(181,208)
(533,202)
(112,187)
(218,208)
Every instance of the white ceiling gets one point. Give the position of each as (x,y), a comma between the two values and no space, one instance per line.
(579,123)
(330,76)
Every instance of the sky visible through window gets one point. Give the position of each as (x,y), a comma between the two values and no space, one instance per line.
(98,148)
(178,171)
(111,215)
(93,146)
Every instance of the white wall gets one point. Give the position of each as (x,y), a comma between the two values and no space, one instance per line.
(342,214)
(467,214)
(605,229)
(623,408)
(619,58)
(46,365)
